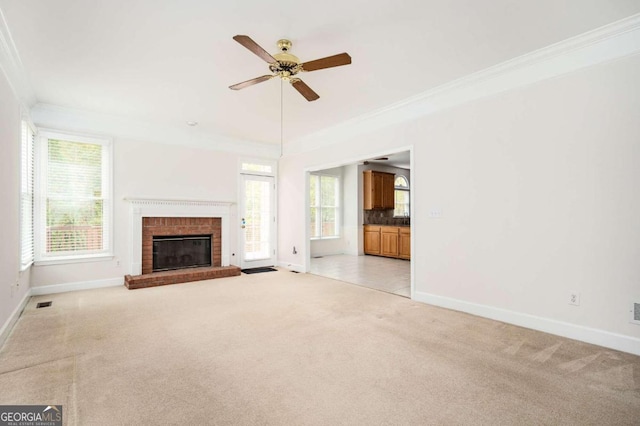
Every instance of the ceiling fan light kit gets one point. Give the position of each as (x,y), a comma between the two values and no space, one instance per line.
(286,65)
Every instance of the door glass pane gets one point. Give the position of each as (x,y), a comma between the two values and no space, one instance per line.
(258,219)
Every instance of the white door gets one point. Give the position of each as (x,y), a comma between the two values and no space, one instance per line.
(257,221)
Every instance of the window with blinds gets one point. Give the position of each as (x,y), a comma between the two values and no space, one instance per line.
(75,198)
(324,193)
(26,197)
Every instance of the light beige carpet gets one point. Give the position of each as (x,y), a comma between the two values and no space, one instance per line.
(292,349)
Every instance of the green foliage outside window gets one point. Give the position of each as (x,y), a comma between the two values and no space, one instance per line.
(74,203)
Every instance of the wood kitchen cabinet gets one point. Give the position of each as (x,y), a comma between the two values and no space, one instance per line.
(388,241)
(404,243)
(379,190)
(371,239)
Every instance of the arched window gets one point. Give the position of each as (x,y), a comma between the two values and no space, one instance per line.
(401,197)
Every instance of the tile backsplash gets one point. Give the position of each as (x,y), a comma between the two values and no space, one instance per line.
(383,217)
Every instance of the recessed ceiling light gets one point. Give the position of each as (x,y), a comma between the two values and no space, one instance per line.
(192,123)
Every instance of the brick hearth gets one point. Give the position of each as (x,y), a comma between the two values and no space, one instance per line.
(169,226)
(179,276)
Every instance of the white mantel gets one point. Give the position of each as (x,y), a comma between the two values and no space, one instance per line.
(146,207)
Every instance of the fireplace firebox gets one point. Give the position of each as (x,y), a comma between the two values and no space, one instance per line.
(181,252)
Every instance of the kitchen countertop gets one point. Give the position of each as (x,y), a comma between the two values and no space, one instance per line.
(387,224)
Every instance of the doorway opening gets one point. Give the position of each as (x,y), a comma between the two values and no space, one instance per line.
(349,239)
(257,214)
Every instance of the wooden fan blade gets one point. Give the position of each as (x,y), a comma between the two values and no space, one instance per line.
(251,82)
(328,62)
(247,42)
(304,90)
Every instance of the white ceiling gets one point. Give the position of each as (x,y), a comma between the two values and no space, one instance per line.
(172,61)
(399,159)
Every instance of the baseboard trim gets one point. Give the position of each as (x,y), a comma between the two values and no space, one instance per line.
(559,328)
(7,327)
(327,253)
(81,285)
(291,267)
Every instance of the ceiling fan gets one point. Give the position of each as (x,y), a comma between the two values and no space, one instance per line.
(286,66)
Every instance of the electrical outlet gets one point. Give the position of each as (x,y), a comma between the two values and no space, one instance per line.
(574,299)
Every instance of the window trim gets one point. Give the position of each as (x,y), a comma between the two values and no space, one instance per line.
(41,150)
(338,207)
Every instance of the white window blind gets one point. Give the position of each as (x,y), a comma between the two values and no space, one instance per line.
(26,197)
(76,197)
(324,200)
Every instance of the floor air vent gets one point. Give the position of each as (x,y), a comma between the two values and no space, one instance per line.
(43,305)
(635,313)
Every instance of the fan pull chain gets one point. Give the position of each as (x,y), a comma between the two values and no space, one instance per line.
(281,119)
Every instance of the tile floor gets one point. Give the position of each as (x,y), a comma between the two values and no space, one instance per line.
(380,273)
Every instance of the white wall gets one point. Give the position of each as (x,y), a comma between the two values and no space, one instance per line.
(352,210)
(10,135)
(152,170)
(538,193)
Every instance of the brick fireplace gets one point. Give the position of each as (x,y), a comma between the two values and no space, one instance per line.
(162,218)
(166,226)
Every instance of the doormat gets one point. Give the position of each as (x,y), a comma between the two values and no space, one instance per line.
(258,270)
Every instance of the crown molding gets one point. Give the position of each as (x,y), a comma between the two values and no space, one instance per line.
(70,119)
(604,44)
(12,68)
